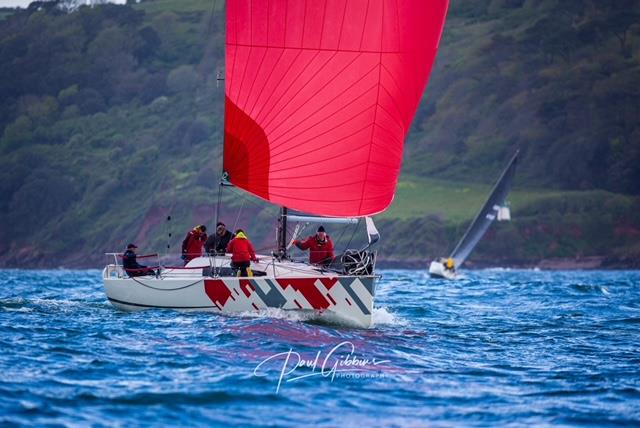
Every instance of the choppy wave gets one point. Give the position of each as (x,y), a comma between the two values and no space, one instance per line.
(498,347)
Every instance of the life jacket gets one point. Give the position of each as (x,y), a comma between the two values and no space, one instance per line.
(129,260)
(241,249)
(193,243)
(319,251)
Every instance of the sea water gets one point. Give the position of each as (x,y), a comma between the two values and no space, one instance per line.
(498,347)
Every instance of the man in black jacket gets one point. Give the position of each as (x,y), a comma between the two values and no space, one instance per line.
(217,243)
(131,265)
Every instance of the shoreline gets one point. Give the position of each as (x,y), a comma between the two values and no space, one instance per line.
(552,264)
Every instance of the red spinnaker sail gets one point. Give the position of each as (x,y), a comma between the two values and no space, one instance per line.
(320,95)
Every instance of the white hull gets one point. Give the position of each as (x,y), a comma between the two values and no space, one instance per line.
(438,270)
(287,286)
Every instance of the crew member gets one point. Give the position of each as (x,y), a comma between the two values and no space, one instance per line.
(130,263)
(450,264)
(193,243)
(320,247)
(242,253)
(218,242)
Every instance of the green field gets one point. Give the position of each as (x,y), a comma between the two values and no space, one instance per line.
(4,12)
(456,201)
(159,6)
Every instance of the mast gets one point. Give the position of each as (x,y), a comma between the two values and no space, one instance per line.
(282,234)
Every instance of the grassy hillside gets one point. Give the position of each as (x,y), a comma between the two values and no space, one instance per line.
(559,79)
(430,216)
(111,121)
(458,201)
(4,12)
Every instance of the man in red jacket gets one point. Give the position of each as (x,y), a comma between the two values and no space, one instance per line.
(242,253)
(320,247)
(193,243)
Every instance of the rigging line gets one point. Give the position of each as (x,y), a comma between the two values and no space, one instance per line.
(218,206)
(244,200)
(166,289)
(235,224)
(355,229)
(344,229)
(207,52)
(213,9)
(243,194)
(154,199)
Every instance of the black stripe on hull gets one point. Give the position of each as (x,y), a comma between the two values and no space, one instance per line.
(160,307)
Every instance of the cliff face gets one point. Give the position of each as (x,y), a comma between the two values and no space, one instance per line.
(111,122)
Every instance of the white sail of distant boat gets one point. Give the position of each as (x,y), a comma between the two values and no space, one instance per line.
(495,208)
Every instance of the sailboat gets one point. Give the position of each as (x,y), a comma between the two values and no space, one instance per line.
(495,208)
(319,98)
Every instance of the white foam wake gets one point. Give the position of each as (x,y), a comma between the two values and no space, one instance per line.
(281,314)
(381,316)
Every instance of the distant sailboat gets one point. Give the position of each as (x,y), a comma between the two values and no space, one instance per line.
(495,208)
(319,98)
